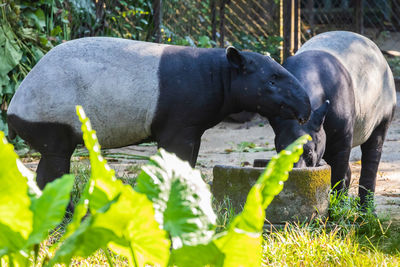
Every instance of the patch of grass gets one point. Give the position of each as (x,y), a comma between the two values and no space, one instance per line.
(348,237)
(300,246)
(249,147)
(99,258)
(134,169)
(81,171)
(371,231)
(225,213)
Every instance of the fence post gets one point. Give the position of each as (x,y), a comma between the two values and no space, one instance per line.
(213,20)
(359,16)
(222,5)
(157,9)
(290,12)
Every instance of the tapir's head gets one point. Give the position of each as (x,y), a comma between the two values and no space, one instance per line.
(261,85)
(287,131)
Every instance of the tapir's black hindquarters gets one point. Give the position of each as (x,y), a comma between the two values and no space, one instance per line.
(56,142)
(371,154)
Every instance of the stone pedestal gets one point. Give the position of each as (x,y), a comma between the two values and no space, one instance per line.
(305,193)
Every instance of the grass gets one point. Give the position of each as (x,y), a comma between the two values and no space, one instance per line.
(347,238)
(248,147)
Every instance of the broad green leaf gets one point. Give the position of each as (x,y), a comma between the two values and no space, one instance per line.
(83,242)
(181,198)
(49,209)
(251,219)
(15,214)
(278,169)
(197,256)
(40,18)
(132,219)
(10,53)
(241,245)
(103,184)
(10,240)
(37,17)
(240,248)
(126,217)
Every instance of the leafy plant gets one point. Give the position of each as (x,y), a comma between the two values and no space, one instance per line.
(26,213)
(170,201)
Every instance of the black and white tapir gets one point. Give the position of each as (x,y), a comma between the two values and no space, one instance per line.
(353,98)
(136,91)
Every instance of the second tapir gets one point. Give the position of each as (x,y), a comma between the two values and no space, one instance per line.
(352,93)
(136,91)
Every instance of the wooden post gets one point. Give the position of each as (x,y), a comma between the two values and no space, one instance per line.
(157,9)
(297,26)
(290,12)
(213,8)
(359,16)
(222,4)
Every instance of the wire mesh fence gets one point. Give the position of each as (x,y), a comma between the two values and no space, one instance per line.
(369,17)
(255,25)
(246,24)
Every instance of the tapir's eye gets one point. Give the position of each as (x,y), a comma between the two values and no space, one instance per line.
(273,79)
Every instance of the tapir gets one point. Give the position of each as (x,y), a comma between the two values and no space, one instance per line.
(353,98)
(136,92)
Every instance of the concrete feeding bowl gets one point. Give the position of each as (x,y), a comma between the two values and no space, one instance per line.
(305,193)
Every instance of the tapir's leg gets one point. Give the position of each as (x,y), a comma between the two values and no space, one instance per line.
(195,153)
(347,178)
(56,142)
(339,162)
(185,143)
(52,166)
(371,155)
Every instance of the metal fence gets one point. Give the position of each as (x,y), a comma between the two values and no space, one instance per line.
(256,24)
(368,17)
(247,24)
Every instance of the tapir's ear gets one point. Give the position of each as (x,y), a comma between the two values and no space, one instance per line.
(235,58)
(318,117)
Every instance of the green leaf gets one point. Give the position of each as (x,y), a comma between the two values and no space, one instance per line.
(10,54)
(10,240)
(38,17)
(124,217)
(241,244)
(240,248)
(278,169)
(15,214)
(132,220)
(181,198)
(190,256)
(83,242)
(103,185)
(49,209)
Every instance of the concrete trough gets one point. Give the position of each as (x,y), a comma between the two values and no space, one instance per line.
(304,195)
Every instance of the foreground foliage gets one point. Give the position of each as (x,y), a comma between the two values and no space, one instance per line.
(167,219)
